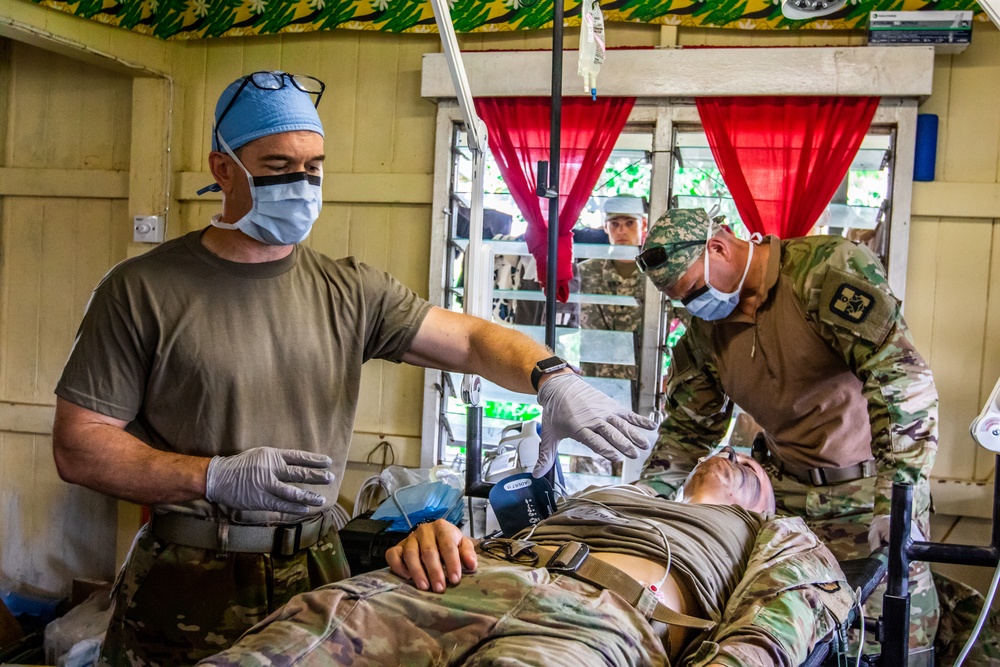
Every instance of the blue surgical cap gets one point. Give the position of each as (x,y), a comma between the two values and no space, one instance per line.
(258,113)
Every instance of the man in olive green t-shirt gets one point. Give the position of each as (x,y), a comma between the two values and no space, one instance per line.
(216,378)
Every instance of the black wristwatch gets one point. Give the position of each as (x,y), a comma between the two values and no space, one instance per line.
(545,367)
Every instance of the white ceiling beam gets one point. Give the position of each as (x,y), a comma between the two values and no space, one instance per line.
(899,71)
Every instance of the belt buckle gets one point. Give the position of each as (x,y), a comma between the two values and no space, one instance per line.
(287,539)
(568,558)
(817,477)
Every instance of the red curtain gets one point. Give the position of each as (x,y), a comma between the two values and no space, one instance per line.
(519,131)
(783,158)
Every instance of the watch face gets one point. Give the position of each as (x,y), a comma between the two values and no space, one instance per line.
(551,364)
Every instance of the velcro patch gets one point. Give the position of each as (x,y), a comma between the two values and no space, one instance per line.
(851,302)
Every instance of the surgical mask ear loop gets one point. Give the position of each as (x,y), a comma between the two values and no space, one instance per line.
(253,190)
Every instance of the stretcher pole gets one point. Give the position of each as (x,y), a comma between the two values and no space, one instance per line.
(903,551)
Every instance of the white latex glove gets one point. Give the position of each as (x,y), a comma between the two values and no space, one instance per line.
(258,479)
(571,408)
(878,534)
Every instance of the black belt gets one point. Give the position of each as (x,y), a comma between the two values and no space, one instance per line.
(280,540)
(828,476)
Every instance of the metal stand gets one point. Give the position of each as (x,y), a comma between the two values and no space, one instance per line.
(903,551)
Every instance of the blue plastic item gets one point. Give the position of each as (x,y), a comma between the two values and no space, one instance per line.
(419,503)
(40,608)
(925,152)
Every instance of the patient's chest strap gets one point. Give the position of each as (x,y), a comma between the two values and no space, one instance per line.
(574,559)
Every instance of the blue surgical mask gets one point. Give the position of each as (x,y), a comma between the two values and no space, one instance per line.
(711,304)
(284,206)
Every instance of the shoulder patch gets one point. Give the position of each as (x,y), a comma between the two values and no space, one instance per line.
(851,302)
(828,587)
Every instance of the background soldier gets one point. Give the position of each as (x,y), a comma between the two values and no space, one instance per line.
(625,224)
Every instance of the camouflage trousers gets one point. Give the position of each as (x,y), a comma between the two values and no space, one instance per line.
(960,608)
(503,615)
(840,515)
(174,605)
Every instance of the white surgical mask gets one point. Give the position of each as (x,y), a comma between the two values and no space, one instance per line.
(285,207)
(711,304)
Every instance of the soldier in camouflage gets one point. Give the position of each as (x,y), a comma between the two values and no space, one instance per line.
(625,224)
(782,595)
(806,336)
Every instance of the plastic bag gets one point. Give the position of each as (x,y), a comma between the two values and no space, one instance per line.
(591,45)
(85,622)
(418,495)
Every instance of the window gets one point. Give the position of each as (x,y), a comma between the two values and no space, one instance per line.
(605,346)
(665,153)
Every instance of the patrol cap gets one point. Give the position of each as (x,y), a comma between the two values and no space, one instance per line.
(624,205)
(259,112)
(681,233)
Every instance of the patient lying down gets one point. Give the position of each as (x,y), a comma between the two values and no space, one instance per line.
(770,589)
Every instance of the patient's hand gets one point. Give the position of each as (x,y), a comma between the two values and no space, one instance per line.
(431,552)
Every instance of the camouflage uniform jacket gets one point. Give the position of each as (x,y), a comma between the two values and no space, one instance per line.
(792,595)
(599,276)
(824,272)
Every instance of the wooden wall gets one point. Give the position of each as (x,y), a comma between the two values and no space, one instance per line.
(64,118)
(76,120)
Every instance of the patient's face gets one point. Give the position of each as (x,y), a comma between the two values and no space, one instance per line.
(729,478)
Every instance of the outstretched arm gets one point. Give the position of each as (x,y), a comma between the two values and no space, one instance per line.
(571,407)
(464,344)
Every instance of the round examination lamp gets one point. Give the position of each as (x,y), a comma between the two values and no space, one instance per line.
(804,10)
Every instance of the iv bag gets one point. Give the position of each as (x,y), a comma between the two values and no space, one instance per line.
(591,45)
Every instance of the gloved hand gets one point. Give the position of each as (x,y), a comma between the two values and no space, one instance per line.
(571,408)
(257,479)
(878,534)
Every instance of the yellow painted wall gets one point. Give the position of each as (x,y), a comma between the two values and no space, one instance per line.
(58,114)
(954,264)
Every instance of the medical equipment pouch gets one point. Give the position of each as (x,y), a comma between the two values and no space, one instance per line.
(520,501)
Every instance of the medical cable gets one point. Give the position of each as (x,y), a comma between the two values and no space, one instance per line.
(653,525)
(861,634)
(371,494)
(987,605)
(340,515)
(388,455)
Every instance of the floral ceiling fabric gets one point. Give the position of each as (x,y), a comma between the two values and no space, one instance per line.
(196,19)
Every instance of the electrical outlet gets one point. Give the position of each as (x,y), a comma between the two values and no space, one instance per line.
(148,228)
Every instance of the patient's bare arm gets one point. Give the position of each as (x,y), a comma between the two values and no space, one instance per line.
(432,556)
